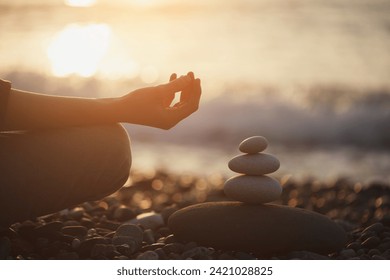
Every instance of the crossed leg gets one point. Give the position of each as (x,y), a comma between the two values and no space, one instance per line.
(42,172)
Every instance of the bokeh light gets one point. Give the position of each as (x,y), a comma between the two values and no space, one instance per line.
(78,49)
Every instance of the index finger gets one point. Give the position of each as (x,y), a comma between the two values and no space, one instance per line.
(178,84)
(191,104)
(193,97)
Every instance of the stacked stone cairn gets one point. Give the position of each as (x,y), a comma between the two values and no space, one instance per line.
(254,186)
(251,223)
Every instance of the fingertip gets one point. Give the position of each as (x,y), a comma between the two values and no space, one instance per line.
(178,84)
(187,78)
(191,75)
(198,87)
(173,77)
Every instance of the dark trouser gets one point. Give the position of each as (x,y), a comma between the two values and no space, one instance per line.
(42,172)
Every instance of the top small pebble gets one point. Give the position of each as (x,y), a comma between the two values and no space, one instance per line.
(253,145)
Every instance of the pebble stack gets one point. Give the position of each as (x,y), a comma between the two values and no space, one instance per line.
(253,186)
(250,222)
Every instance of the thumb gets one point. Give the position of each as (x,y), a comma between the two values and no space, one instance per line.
(178,84)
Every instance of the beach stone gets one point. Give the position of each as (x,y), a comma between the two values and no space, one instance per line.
(149,236)
(110,225)
(255,164)
(260,229)
(49,228)
(76,213)
(65,238)
(373,252)
(348,253)
(306,255)
(176,247)
(79,231)
(104,251)
(253,145)
(105,232)
(170,239)
(384,246)
(71,223)
(163,231)
(371,242)
(91,232)
(167,211)
(124,214)
(124,249)
(365,235)
(88,223)
(126,240)
(131,235)
(354,246)
(378,257)
(252,189)
(130,230)
(149,220)
(152,247)
(190,245)
(148,255)
(244,256)
(75,243)
(377,227)
(161,254)
(86,246)
(197,253)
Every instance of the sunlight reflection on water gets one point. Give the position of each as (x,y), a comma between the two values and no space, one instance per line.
(80,3)
(78,49)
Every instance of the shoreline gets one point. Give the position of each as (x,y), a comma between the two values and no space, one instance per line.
(322,163)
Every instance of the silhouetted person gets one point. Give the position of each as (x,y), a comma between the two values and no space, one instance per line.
(57,152)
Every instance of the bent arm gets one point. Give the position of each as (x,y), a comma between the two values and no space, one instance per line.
(28,110)
(146,106)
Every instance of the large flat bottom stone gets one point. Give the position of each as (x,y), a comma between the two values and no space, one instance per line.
(262,229)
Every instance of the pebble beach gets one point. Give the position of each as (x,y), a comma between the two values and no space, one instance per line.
(133,222)
(313,80)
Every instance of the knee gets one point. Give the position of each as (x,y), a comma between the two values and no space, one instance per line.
(123,151)
(110,160)
(117,155)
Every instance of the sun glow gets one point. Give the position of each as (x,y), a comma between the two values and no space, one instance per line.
(80,3)
(144,2)
(78,49)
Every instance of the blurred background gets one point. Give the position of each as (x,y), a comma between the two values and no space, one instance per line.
(312,76)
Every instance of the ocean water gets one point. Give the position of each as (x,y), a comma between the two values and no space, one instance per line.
(310,75)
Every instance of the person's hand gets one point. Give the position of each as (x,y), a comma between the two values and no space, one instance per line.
(151,106)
